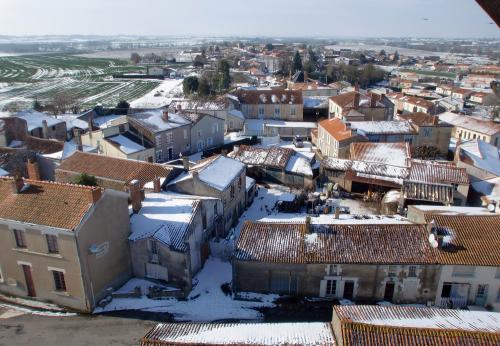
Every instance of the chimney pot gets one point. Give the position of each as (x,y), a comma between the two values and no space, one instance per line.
(96,194)
(33,169)
(135,195)
(165,115)
(308,224)
(156,184)
(45,129)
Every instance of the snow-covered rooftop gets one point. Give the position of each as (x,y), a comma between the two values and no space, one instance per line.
(485,156)
(299,165)
(219,173)
(383,127)
(164,218)
(34,119)
(126,145)
(154,121)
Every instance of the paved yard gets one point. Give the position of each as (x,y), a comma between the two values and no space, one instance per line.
(27,329)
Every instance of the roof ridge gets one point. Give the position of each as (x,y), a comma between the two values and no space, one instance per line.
(50,182)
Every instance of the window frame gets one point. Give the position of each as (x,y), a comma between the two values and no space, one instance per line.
(54,248)
(20,238)
(59,281)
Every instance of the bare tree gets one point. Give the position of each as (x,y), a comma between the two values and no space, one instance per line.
(135,58)
(64,101)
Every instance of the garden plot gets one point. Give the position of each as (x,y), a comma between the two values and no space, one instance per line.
(30,77)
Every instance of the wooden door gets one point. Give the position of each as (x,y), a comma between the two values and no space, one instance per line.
(389,291)
(348,290)
(29,281)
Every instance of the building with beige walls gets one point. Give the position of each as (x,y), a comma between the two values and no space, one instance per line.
(59,244)
(279,104)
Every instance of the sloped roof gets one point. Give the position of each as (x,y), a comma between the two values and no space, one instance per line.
(275,157)
(437,173)
(34,119)
(240,334)
(395,154)
(384,127)
(345,99)
(486,127)
(482,155)
(420,119)
(336,128)
(475,240)
(115,169)
(46,203)
(153,120)
(218,171)
(398,325)
(165,218)
(339,243)
(275,96)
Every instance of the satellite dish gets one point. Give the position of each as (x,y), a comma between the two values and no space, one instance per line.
(491,207)
(434,244)
(432,238)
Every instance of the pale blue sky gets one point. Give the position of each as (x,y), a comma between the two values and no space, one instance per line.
(353,18)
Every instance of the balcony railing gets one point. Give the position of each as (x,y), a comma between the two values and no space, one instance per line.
(453,302)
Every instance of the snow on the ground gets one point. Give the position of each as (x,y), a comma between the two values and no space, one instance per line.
(13,310)
(160,96)
(206,302)
(263,204)
(144,284)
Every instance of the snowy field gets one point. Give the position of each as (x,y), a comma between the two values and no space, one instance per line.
(161,95)
(206,302)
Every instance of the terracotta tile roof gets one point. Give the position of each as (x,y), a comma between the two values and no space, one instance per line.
(115,169)
(346,99)
(240,334)
(44,146)
(339,243)
(486,127)
(275,157)
(437,173)
(46,203)
(396,325)
(417,101)
(473,240)
(420,119)
(395,154)
(275,96)
(336,128)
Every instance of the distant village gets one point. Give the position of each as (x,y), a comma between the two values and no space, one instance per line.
(282,176)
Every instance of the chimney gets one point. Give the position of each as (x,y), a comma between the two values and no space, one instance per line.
(356,99)
(96,194)
(195,175)
(17,184)
(164,115)
(89,126)
(33,169)
(308,225)
(179,108)
(373,100)
(78,139)
(135,195)
(236,148)
(435,120)
(156,184)
(185,162)
(45,129)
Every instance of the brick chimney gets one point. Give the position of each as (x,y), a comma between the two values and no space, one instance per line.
(373,100)
(17,184)
(33,169)
(308,224)
(164,115)
(78,139)
(356,99)
(185,162)
(135,195)
(156,184)
(95,195)
(45,129)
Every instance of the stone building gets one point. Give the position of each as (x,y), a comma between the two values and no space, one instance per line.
(360,262)
(277,104)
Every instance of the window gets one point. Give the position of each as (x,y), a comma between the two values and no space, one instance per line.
(158,156)
(497,274)
(464,271)
(392,271)
(277,111)
(199,133)
(154,247)
(170,137)
(52,245)
(331,287)
(20,239)
(59,281)
(293,111)
(215,128)
(239,183)
(427,132)
(333,270)
(215,209)
(261,110)
(412,271)
(232,191)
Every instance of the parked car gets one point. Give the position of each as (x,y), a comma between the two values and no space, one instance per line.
(298,142)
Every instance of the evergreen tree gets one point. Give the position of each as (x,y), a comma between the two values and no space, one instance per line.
(190,85)
(85,179)
(37,105)
(223,77)
(203,87)
(297,62)
(396,56)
